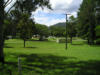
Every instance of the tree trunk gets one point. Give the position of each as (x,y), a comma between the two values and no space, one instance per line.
(24,43)
(41,38)
(1,51)
(71,39)
(1,31)
(88,41)
(91,35)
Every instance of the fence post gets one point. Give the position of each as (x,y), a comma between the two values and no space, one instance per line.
(19,66)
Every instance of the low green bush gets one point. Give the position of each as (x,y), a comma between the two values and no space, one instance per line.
(98,41)
(97,29)
(63,40)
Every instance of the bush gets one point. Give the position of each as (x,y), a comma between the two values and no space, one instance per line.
(97,34)
(98,41)
(62,40)
(98,31)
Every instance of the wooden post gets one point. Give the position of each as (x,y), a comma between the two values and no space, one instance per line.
(19,66)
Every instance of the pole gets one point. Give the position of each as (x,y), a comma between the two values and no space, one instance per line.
(66,32)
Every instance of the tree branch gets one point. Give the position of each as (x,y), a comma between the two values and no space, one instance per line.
(7,3)
(11,8)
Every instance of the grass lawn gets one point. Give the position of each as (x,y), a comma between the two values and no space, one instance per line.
(51,58)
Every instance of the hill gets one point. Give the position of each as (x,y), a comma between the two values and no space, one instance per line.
(63,24)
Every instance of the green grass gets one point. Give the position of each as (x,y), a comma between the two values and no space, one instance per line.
(51,58)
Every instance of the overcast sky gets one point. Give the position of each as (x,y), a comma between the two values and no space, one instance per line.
(60,7)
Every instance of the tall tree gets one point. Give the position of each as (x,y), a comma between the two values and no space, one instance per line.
(26,7)
(42,31)
(3,5)
(72,31)
(1,30)
(87,21)
(97,17)
(97,29)
(26,28)
(2,15)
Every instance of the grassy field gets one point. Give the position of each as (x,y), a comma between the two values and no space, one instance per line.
(51,58)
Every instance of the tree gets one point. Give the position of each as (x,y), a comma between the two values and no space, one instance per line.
(72,31)
(97,29)
(28,6)
(86,26)
(42,30)
(8,27)
(57,31)
(3,4)
(26,28)
(1,30)
(97,16)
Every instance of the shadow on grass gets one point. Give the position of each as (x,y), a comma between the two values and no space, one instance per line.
(30,47)
(95,45)
(43,64)
(6,46)
(37,40)
(77,44)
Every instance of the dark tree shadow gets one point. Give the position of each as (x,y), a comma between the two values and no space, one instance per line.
(95,45)
(6,46)
(38,40)
(30,47)
(46,64)
(77,44)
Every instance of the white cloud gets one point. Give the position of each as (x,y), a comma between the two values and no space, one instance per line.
(47,21)
(54,21)
(63,6)
(59,7)
(57,3)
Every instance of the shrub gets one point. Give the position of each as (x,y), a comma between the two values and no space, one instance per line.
(97,34)
(63,40)
(98,41)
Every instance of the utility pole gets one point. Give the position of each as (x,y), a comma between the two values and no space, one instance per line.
(66,33)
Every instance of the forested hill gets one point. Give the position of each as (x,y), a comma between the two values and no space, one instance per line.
(63,24)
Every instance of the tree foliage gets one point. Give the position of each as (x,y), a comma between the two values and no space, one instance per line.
(86,26)
(97,29)
(72,27)
(25,27)
(57,31)
(42,30)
